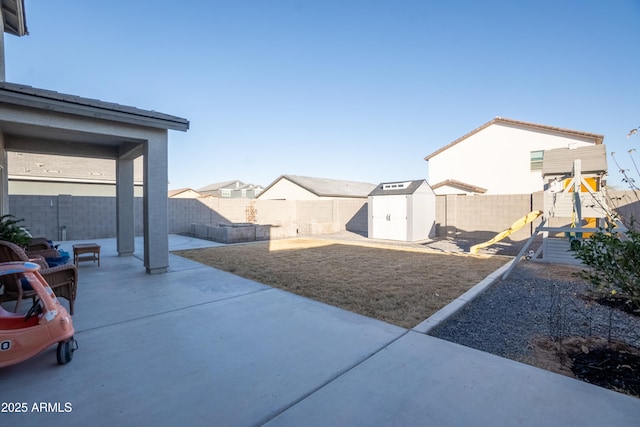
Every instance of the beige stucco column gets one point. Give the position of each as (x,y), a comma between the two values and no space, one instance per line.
(155,204)
(125,218)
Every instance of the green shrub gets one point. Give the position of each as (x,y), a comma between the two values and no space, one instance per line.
(10,231)
(614,259)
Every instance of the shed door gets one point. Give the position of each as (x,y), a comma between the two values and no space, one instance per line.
(390,217)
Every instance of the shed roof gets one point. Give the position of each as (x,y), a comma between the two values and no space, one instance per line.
(559,161)
(323,187)
(397,188)
(597,139)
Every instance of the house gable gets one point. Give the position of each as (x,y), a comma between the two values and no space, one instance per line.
(595,138)
(184,193)
(497,156)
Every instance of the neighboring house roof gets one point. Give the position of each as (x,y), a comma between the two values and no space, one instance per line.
(559,161)
(597,139)
(470,188)
(49,167)
(323,187)
(229,185)
(181,191)
(220,185)
(17,94)
(15,21)
(397,188)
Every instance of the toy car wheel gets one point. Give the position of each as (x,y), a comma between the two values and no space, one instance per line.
(65,351)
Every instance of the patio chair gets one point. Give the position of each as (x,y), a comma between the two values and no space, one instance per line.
(53,256)
(62,279)
(39,244)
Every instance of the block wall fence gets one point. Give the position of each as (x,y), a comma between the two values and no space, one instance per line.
(480,217)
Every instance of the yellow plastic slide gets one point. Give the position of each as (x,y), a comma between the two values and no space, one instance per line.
(531,216)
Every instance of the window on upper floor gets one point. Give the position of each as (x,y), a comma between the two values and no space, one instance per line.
(536,160)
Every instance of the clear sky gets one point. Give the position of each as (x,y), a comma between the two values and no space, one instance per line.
(358,90)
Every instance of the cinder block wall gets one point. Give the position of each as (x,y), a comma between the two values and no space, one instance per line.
(274,212)
(468,217)
(481,217)
(627,204)
(39,212)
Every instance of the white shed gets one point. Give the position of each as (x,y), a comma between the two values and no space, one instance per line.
(404,211)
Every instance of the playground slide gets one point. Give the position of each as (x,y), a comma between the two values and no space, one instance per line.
(531,216)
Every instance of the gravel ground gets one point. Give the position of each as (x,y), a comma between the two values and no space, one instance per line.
(536,299)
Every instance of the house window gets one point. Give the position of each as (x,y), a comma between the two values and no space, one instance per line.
(226,192)
(536,160)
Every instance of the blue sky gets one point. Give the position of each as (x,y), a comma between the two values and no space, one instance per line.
(348,89)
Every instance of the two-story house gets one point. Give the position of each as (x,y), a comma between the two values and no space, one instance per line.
(503,156)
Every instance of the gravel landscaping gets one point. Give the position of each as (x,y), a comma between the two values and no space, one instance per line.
(537,311)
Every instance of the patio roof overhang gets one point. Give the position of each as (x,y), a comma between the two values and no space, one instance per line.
(71,124)
(42,121)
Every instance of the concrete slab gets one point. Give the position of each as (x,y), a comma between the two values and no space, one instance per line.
(420,380)
(197,346)
(194,346)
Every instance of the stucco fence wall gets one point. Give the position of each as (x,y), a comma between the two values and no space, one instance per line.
(463,217)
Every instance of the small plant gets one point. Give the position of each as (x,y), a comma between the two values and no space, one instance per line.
(614,259)
(11,231)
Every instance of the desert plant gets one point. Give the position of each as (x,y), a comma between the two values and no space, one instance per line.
(11,231)
(614,259)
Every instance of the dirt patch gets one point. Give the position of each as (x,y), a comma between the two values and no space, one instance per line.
(613,365)
(399,285)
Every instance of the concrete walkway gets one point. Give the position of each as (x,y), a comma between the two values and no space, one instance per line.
(201,347)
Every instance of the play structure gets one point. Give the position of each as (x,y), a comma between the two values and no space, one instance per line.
(574,206)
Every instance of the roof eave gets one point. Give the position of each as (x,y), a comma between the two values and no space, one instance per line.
(82,107)
(14,18)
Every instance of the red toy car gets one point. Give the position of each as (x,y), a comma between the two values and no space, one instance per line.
(47,322)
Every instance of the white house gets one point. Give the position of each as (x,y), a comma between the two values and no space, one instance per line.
(293,187)
(502,156)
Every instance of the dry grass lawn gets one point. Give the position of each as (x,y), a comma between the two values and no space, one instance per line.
(402,286)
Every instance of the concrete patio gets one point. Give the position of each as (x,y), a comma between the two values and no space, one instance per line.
(198,346)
